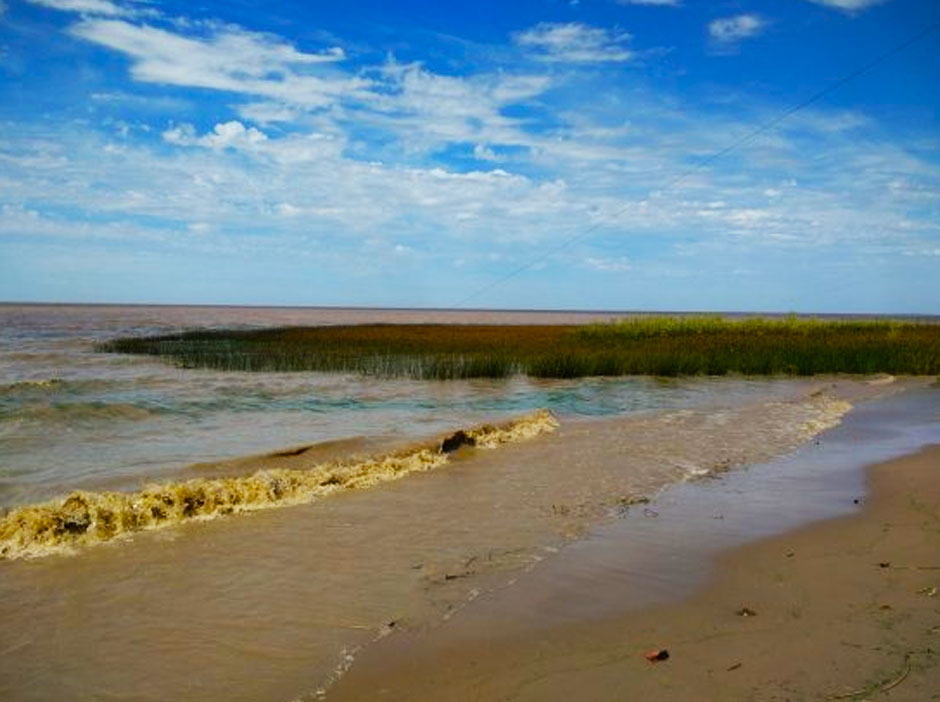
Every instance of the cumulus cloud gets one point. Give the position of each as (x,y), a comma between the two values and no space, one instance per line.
(228,134)
(230,59)
(482,152)
(730,30)
(575,42)
(849,5)
(287,151)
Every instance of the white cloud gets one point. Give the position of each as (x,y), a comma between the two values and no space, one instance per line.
(268,112)
(482,152)
(228,134)
(575,42)
(849,5)
(727,30)
(421,110)
(356,179)
(285,151)
(610,265)
(104,8)
(232,59)
(858,193)
(425,111)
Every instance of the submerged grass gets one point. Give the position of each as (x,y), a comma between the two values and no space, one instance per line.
(663,346)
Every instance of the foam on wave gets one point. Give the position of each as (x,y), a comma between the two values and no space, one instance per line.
(86,518)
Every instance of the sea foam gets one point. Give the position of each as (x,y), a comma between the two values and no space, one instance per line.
(86,518)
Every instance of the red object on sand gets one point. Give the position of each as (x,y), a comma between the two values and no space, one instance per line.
(660,654)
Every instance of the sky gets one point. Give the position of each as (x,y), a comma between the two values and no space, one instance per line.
(547,154)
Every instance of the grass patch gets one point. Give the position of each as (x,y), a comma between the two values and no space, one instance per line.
(663,346)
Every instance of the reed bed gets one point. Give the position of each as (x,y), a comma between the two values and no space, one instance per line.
(661,346)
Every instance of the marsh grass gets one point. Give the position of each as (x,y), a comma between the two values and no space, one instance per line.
(662,346)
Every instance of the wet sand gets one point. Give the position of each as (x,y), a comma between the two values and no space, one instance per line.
(843,609)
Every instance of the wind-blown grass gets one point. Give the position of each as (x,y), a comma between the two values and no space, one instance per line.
(664,346)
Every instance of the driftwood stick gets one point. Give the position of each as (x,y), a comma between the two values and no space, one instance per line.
(881,688)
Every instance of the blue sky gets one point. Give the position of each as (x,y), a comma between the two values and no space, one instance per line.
(526,154)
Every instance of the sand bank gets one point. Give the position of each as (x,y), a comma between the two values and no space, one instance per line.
(846,607)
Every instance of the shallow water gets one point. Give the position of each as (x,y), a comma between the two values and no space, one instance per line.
(662,551)
(274,604)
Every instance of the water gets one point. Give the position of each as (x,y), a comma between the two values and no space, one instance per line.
(276,604)
(71,417)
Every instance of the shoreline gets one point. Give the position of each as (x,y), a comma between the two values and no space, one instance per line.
(828,619)
(277,604)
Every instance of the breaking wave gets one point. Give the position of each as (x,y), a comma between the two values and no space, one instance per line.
(88,518)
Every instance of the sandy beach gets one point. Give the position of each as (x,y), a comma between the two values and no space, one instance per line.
(843,609)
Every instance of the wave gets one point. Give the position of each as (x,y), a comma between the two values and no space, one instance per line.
(72,412)
(88,518)
(45,384)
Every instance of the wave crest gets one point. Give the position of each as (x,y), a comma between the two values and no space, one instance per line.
(87,518)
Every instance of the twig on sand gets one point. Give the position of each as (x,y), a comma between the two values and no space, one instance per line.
(891,684)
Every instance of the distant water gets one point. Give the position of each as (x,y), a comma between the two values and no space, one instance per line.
(71,417)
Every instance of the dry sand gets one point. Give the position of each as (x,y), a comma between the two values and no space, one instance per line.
(843,609)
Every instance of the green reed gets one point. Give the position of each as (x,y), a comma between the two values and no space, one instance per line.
(662,346)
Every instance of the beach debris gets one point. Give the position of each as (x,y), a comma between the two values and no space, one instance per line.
(884,564)
(457,440)
(657,655)
(734,667)
(884,687)
(928,591)
(457,576)
(746,612)
(647,512)
(287,453)
(790,554)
